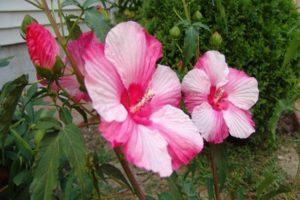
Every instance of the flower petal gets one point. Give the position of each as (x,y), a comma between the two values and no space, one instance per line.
(184,140)
(210,123)
(242,90)
(117,133)
(77,48)
(42,46)
(147,149)
(215,66)
(166,87)
(133,52)
(195,87)
(239,122)
(103,84)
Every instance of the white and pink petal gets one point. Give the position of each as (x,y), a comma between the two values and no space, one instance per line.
(133,52)
(147,149)
(165,86)
(241,89)
(238,121)
(184,140)
(215,66)
(103,84)
(196,88)
(210,123)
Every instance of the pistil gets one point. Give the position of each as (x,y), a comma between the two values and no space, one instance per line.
(145,100)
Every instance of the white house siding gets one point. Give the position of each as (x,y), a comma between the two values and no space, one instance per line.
(12,13)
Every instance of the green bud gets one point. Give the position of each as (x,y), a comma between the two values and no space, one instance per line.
(175,31)
(26,21)
(216,40)
(197,16)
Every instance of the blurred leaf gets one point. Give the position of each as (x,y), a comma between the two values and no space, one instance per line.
(174,189)
(164,196)
(199,25)
(281,189)
(210,188)
(9,98)
(89,3)
(70,3)
(65,115)
(262,186)
(32,90)
(97,22)
(115,173)
(221,16)
(21,177)
(47,123)
(23,143)
(72,143)
(240,193)
(292,49)
(5,61)
(70,192)
(190,43)
(45,177)
(76,31)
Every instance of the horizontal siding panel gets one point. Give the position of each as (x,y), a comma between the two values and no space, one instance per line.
(21,5)
(14,19)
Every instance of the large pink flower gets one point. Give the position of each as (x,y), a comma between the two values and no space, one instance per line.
(138,102)
(219,98)
(42,46)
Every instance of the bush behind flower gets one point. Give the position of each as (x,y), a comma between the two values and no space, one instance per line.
(255,37)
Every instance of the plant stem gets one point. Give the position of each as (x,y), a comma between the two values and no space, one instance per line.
(214,173)
(133,181)
(62,42)
(186,11)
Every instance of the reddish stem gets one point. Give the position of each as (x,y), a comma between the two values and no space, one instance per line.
(133,181)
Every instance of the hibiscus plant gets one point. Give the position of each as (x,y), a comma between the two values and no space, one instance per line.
(111,77)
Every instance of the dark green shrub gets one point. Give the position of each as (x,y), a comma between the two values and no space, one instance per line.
(255,36)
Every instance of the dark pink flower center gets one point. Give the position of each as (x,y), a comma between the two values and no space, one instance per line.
(137,102)
(218,98)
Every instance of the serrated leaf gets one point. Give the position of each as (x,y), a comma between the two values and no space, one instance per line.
(5,61)
(45,178)
(115,173)
(65,115)
(73,147)
(97,22)
(190,43)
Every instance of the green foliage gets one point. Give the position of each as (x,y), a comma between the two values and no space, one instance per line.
(97,22)
(5,61)
(255,37)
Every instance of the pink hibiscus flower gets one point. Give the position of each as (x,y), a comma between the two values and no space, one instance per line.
(42,46)
(138,102)
(219,98)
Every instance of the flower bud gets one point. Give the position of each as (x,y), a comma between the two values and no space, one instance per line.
(42,48)
(197,16)
(216,40)
(175,31)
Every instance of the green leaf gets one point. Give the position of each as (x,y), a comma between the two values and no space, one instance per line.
(47,123)
(89,3)
(65,115)
(9,98)
(240,193)
(190,43)
(164,196)
(73,147)
(281,189)
(174,188)
(293,49)
(70,3)
(199,25)
(210,188)
(97,22)
(45,178)
(262,186)
(76,31)
(114,173)
(5,61)
(23,143)
(21,177)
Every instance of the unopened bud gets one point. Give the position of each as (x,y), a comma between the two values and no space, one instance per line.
(216,40)
(175,31)
(197,16)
